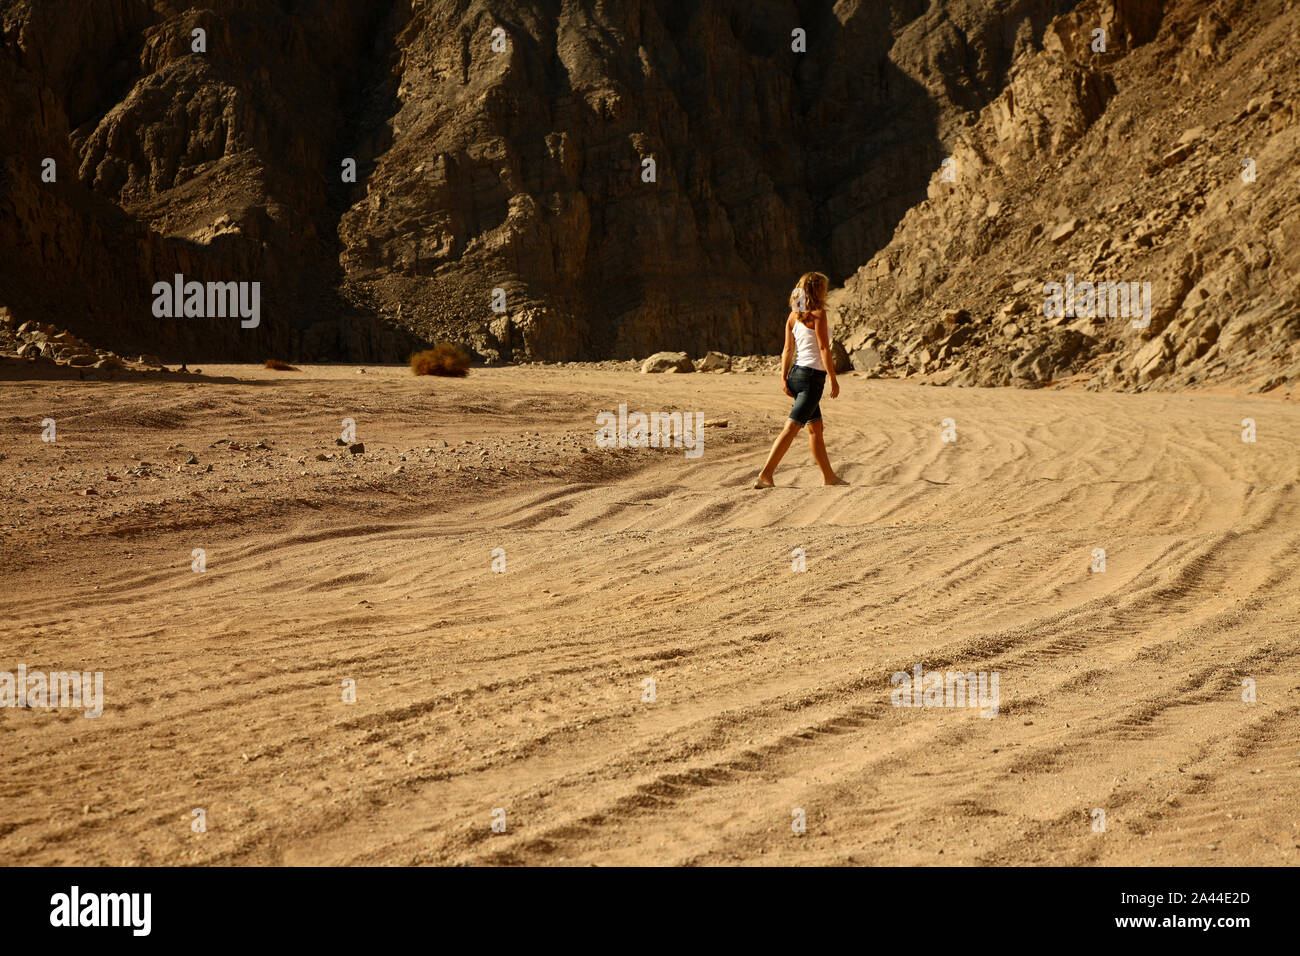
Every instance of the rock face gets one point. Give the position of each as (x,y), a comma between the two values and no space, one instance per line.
(594,180)
(502,195)
(1168,159)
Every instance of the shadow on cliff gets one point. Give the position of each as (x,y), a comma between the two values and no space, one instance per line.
(77,259)
(355,330)
(855,150)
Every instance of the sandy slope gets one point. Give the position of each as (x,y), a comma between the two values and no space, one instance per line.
(1118,690)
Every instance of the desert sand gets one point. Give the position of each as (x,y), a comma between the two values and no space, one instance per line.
(1120,690)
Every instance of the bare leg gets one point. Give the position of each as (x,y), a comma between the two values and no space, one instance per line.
(779,448)
(817,444)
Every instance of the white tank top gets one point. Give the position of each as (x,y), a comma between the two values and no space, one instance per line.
(806,353)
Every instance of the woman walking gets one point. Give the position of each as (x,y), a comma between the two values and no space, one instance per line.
(808,346)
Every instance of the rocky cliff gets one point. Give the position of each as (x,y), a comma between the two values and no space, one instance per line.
(1164,164)
(497,145)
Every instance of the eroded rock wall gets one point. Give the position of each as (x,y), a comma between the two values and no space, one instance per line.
(477,169)
(1168,160)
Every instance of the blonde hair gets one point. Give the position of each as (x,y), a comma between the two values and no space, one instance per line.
(809,294)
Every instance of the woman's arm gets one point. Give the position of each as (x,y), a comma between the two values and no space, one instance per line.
(787,353)
(824,346)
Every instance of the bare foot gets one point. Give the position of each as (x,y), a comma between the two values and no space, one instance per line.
(838,481)
(760,483)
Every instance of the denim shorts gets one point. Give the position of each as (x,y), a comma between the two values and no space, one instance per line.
(807,384)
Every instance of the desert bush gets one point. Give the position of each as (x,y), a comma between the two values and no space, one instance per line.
(442,359)
(280,366)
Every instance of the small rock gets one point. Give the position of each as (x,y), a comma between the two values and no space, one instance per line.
(1176,156)
(1065,230)
(357,448)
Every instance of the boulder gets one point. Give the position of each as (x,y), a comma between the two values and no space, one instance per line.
(959,337)
(714,362)
(1151,361)
(933,333)
(840,356)
(866,360)
(668,362)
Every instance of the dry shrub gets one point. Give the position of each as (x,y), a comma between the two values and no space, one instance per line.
(442,359)
(280,366)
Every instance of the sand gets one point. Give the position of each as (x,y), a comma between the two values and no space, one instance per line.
(519,697)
